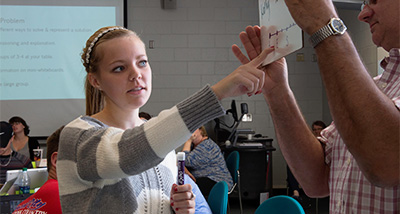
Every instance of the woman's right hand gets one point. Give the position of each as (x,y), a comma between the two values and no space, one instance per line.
(246,79)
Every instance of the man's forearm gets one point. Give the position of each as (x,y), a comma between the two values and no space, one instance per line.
(301,150)
(367,119)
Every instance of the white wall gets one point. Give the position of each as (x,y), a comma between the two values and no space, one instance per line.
(361,36)
(192,48)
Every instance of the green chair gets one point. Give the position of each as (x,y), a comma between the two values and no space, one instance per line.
(232,162)
(280,204)
(218,198)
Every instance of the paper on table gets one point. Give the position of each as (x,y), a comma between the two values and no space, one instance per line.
(278,29)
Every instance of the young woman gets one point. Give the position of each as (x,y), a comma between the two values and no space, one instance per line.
(9,159)
(111,161)
(21,142)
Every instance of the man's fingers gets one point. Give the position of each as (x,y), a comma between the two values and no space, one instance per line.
(248,45)
(239,55)
(253,34)
(258,31)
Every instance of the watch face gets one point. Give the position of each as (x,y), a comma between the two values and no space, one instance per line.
(338,26)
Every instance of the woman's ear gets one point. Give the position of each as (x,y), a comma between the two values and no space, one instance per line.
(94,81)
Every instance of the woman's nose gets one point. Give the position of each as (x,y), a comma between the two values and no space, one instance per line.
(135,74)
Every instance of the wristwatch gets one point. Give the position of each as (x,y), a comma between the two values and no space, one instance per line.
(334,27)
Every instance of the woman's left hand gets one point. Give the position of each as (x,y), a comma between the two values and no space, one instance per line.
(182,198)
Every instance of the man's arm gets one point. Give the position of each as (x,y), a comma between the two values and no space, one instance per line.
(302,151)
(367,120)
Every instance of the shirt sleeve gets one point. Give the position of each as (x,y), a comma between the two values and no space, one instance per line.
(326,139)
(201,203)
(397,102)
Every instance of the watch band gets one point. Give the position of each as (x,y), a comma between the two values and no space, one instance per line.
(321,34)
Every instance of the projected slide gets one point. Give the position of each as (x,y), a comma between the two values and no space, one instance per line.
(40,49)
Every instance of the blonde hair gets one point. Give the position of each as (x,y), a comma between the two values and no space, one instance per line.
(91,58)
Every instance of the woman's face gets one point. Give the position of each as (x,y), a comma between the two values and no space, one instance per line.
(17,127)
(197,137)
(124,73)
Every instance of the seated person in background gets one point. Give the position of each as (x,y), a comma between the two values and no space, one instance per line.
(293,184)
(9,159)
(206,162)
(47,198)
(21,142)
(317,127)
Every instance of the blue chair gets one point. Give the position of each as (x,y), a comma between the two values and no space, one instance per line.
(280,204)
(218,198)
(232,162)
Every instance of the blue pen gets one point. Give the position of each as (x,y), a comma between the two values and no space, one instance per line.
(181,168)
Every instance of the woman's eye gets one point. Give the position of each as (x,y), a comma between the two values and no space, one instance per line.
(118,69)
(143,63)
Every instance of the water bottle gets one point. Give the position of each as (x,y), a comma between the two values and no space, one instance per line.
(25,182)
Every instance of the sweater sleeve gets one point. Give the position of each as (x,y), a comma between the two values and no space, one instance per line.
(32,144)
(102,152)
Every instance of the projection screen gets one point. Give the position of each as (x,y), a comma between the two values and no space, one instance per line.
(41,74)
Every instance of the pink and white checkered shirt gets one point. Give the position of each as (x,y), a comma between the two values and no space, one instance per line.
(350,191)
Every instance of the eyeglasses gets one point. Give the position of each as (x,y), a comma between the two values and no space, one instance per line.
(367,2)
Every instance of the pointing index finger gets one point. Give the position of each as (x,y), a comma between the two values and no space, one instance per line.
(260,58)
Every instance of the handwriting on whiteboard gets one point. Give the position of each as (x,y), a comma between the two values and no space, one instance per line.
(265,9)
(276,33)
(278,29)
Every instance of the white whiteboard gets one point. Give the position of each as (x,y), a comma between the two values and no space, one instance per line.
(278,29)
